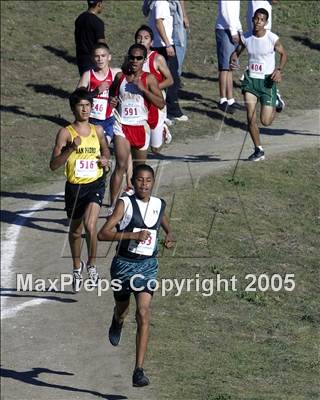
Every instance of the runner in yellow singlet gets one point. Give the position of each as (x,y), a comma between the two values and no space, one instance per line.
(82,148)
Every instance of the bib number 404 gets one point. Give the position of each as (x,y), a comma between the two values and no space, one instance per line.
(256,67)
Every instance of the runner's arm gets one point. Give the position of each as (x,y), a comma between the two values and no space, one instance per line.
(107,232)
(168,230)
(277,73)
(152,91)
(104,149)
(63,148)
(113,96)
(234,64)
(163,68)
(84,80)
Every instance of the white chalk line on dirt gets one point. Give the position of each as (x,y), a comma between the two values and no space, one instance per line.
(8,252)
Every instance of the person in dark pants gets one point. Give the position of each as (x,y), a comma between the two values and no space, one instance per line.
(89,30)
(161,23)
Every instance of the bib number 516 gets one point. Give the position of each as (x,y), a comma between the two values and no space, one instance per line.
(87,164)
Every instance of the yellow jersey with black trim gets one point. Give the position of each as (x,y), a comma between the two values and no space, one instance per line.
(82,165)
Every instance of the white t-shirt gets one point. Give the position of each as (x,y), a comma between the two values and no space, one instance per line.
(261,54)
(253,5)
(161,10)
(229,16)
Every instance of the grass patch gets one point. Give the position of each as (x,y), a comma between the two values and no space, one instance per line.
(38,73)
(242,345)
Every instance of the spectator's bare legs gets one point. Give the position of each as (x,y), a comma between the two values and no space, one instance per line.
(226,84)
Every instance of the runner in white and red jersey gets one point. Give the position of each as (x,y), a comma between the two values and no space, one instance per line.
(157,66)
(133,91)
(98,81)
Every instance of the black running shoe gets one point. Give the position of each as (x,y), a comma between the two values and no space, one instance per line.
(280,104)
(139,379)
(115,331)
(257,155)
(223,106)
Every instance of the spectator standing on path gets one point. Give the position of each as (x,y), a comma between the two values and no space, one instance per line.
(181,26)
(228,30)
(161,19)
(89,30)
(260,79)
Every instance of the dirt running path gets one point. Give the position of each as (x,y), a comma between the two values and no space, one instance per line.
(54,345)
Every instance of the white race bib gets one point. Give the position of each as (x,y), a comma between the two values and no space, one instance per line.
(256,70)
(145,248)
(130,110)
(86,168)
(99,109)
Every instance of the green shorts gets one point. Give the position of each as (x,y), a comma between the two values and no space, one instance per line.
(264,89)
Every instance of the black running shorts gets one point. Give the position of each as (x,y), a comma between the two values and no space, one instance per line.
(78,196)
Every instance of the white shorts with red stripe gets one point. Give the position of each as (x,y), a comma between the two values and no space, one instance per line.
(137,135)
(156,134)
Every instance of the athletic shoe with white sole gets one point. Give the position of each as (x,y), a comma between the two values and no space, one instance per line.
(167,137)
(109,211)
(280,104)
(93,274)
(139,379)
(169,122)
(115,331)
(257,155)
(182,118)
(77,280)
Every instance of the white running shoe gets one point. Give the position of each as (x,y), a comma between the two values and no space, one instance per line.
(110,211)
(182,118)
(93,274)
(169,122)
(77,280)
(167,137)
